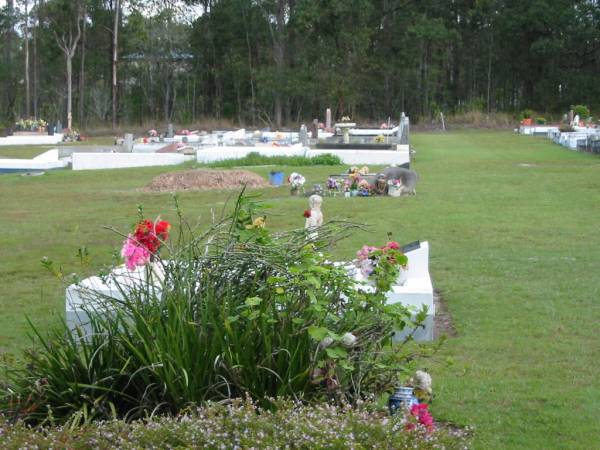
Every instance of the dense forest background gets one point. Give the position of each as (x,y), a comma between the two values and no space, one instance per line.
(257,62)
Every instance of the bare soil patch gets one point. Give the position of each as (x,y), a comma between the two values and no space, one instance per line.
(443,324)
(204,179)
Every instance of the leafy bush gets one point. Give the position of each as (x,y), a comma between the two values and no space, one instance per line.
(527,114)
(244,425)
(256,159)
(540,120)
(581,110)
(238,311)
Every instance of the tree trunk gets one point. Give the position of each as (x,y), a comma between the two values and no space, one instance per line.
(27,91)
(35,61)
(115,44)
(80,109)
(69,91)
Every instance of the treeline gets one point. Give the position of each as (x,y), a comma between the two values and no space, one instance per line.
(258,62)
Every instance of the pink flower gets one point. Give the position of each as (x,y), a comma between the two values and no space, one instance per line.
(421,412)
(365,252)
(134,254)
(393,245)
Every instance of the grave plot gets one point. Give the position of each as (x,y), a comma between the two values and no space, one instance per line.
(203,179)
(413,289)
(46,161)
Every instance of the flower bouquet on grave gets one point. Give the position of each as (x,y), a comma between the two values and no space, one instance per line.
(296,181)
(142,246)
(382,266)
(333,186)
(363,188)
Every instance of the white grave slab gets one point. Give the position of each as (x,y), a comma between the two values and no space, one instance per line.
(33,139)
(94,161)
(46,161)
(414,293)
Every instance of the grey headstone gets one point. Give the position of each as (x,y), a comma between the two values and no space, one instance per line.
(170,132)
(315,129)
(59,128)
(303,135)
(328,119)
(128,143)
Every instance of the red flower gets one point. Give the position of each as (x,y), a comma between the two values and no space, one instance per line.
(151,235)
(307,213)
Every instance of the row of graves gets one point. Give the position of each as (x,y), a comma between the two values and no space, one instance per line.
(386,145)
(573,133)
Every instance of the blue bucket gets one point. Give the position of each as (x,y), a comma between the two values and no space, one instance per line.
(276,178)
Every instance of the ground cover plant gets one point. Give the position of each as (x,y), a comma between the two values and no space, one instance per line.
(290,425)
(512,224)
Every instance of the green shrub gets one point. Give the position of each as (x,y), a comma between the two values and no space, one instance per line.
(243,425)
(240,311)
(540,120)
(256,159)
(581,110)
(527,114)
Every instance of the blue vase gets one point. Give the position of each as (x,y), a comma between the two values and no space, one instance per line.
(402,398)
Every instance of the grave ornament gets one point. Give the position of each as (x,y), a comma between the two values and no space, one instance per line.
(314,216)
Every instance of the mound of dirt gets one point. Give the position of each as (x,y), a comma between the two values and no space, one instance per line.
(202,179)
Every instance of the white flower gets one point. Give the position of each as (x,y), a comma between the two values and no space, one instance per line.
(423,381)
(326,342)
(348,339)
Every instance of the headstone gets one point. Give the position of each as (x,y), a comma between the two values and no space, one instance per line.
(570,117)
(303,135)
(50,129)
(576,120)
(405,131)
(328,119)
(59,128)
(128,143)
(315,129)
(170,132)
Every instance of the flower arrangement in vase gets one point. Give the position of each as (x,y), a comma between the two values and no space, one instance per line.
(395,188)
(384,266)
(296,181)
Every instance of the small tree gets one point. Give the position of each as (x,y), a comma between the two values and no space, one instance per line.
(65,20)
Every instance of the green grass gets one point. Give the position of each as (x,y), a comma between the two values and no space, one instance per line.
(514,250)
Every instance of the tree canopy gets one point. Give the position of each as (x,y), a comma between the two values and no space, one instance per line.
(260,62)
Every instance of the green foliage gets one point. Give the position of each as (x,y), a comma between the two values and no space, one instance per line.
(581,110)
(527,114)
(245,425)
(540,120)
(256,159)
(239,311)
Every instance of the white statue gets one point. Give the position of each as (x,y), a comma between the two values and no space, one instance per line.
(315,218)
(575,121)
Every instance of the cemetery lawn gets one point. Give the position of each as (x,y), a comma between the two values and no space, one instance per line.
(513,226)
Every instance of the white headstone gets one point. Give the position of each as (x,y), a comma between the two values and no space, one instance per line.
(328,119)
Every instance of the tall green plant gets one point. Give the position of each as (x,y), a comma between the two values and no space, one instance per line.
(235,310)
